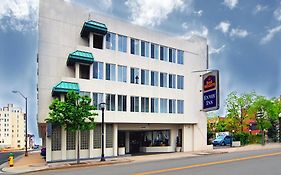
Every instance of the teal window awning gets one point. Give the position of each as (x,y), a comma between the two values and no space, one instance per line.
(64,87)
(81,57)
(93,26)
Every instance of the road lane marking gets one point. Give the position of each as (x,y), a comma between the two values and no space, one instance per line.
(207,164)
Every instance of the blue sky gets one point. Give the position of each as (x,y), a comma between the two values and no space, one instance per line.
(244,39)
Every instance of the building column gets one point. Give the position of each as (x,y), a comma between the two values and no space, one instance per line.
(63,144)
(115,139)
(91,40)
(77,70)
(91,71)
(173,138)
(48,149)
(91,148)
(127,142)
(187,138)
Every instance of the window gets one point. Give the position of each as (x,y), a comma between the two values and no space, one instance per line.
(135,75)
(110,40)
(154,105)
(110,72)
(180,82)
(85,139)
(180,57)
(163,53)
(172,81)
(97,99)
(154,78)
(56,138)
(84,71)
(172,106)
(110,102)
(135,46)
(122,73)
(145,77)
(180,107)
(172,55)
(109,135)
(97,136)
(98,70)
(70,140)
(163,105)
(154,51)
(122,103)
(134,104)
(163,79)
(144,49)
(144,104)
(83,93)
(98,41)
(122,43)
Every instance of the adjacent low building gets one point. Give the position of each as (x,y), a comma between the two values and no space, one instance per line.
(149,81)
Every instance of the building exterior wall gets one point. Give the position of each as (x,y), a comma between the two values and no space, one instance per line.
(12,127)
(59,35)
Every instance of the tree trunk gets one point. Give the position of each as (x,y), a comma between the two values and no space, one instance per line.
(78,146)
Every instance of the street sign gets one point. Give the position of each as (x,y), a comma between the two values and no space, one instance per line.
(211,91)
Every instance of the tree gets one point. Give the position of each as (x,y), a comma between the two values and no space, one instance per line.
(75,114)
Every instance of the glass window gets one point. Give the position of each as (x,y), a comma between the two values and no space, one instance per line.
(145,77)
(172,55)
(172,81)
(134,104)
(180,81)
(110,102)
(163,53)
(180,107)
(154,49)
(144,49)
(56,138)
(172,106)
(85,137)
(97,99)
(83,93)
(135,46)
(163,79)
(97,136)
(163,105)
(109,136)
(122,43)
(154,78)
(122,103)
(144,104)
(180,57)
(135,75)
(154,105)
(110,40)
(110,72)
(122,73)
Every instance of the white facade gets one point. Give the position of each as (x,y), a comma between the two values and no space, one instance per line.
(59,35)
(12,127)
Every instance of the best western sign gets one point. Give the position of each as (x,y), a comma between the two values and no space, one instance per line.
(211,91)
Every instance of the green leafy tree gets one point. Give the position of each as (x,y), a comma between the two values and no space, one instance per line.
(74,114)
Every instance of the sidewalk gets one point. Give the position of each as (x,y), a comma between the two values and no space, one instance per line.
(34,161)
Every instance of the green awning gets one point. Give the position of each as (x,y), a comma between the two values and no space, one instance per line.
(81,57)
(93,26)
(64,87)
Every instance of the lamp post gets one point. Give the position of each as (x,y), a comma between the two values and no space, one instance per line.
(260,117)
(280,127)
(26,153)
(102,107)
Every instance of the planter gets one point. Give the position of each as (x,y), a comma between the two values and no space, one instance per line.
(178,149)
(121,151)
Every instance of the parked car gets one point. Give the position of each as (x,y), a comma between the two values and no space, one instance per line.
(43,152)
(222,140)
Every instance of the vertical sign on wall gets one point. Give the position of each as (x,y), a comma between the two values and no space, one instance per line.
(211,91)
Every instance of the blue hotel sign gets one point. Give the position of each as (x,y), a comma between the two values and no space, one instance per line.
(211,91)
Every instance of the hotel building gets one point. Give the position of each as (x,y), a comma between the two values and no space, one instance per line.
(148,79)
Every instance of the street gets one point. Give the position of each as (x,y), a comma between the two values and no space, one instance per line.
(251,162)
(4,156)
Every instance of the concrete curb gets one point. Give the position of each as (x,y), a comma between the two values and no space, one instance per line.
(6,163)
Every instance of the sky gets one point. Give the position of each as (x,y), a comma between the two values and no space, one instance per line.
(244,40)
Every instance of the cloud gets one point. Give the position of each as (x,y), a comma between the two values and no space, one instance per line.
(98,5)
(213,50)
(270,34)
(18,15)
(277,13)
(238,33)
(223,26)
(259,8)
(153,13)
(198,13)
(231,3)
(203,32)
(184,25)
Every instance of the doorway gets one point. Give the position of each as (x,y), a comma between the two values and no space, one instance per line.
(136,139)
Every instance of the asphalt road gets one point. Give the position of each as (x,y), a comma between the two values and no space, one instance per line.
(251,163)
(4,156)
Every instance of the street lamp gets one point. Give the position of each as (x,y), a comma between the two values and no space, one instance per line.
(280,127)
(102,107)
(26,154)
(260,117)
